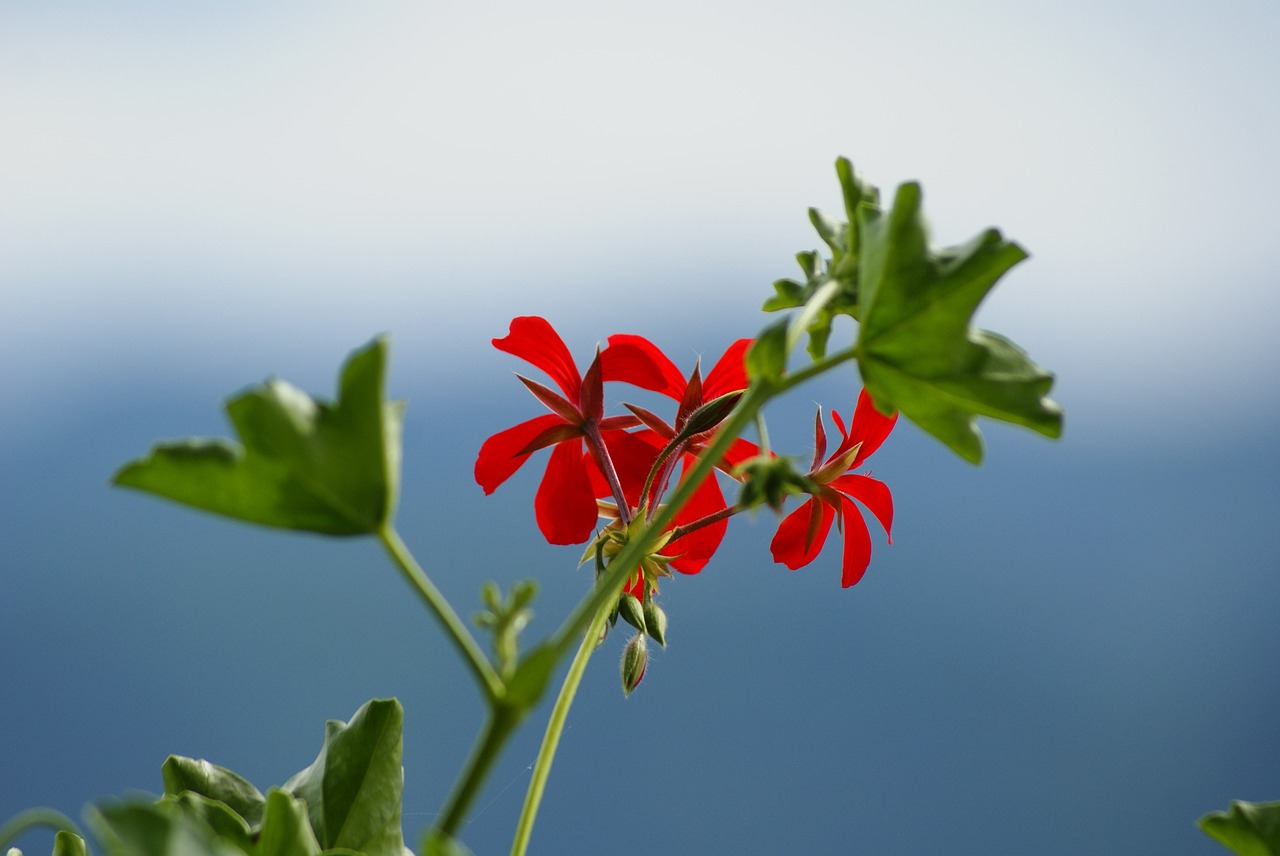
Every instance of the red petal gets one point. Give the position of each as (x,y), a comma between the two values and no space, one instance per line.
(820,439)
(729,374)
(739,451)
(639,362)
(697,547)
(792,545)
(857,544)
(872,493)
(504,452)
(565,506)
(870,427)
(533,339)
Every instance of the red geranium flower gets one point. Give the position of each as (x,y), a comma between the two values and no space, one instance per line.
(636,356)
(802,533)
(565,504)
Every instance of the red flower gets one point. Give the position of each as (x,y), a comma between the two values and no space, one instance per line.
(802,533)
(636,356)
(565,504)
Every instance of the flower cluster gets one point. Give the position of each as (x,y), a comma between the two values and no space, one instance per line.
(618,468)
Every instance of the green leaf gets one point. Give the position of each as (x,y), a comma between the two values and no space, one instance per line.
(163,828)
(68,844)
(285,828)
(916,351)
(301,463)
(354,788)
(532,676)
(767,356)
(1248,829)
(217,783)
(830,288)
(439,843)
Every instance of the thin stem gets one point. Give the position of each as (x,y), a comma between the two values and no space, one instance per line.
(555,726)
(713,517)
(595,440)
(12,830)
(472,654)
(499,726)
(625,563)
(790,381)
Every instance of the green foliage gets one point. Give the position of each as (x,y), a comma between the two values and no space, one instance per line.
(915,347)
(217,783)
(506,618)
(69,844)
(1248,829)
(767,357)
(353,788)
(347,802)
(830,286)
(301,463)
(916,350)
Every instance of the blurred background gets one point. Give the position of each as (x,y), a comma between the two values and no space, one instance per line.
(1071,649)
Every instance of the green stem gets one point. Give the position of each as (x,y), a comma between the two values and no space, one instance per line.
(555,726)
(790,381)
(483,670)
(625,563)
(32,818)
(499,726)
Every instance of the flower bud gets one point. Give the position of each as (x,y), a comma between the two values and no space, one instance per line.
(635,657)
(655,622)
(629,608)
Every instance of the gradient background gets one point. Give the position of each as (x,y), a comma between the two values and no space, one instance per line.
(1072,649)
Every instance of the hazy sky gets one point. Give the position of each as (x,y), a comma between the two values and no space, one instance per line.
(180,179)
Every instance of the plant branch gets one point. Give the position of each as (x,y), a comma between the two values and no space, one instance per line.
(555,726)
(483,671)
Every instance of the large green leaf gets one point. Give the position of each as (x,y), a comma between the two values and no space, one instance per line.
(214,782)
(916,351)
(300,464)
(1248,829)
(353,789)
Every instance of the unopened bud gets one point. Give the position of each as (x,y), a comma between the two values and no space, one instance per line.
(655,622)
(629,608)
(635,657)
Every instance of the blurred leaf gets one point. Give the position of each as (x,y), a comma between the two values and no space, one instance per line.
(164,828)
(217,783)
(353,790)
(917,352)
(767,356)
(531,677)
(69,844)
(285,828)
(439,843)
(304,464)
(1248,829)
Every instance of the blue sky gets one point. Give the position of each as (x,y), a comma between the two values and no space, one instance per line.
(1060,649)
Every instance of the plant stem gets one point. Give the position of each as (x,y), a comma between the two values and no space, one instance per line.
(555,726)
(32,818)
(482,669)
(499,725)
(625,563)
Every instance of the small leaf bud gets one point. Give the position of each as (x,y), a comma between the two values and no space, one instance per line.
(629,608)
(655,622)
(635,657)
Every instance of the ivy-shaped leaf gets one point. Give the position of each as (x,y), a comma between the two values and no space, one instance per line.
(300,464)
(916,351)
(1248,829)
(353,789)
